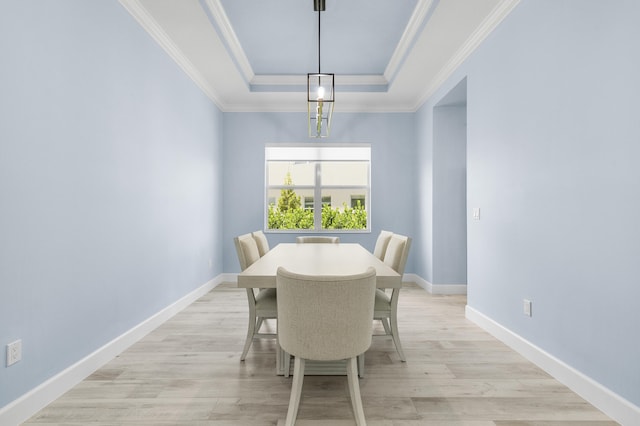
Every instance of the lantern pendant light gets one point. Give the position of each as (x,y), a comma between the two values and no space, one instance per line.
(320,92)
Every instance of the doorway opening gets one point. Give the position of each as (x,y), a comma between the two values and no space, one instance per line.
(450,187)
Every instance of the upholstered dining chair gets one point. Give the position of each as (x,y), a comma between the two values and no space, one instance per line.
(386,306)
(262,305)
(263,248)
(318,239)
(381,244)
(325,318)
(261,242)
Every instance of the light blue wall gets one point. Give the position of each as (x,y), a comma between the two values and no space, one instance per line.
(553,148)
(110,183)
(392,143)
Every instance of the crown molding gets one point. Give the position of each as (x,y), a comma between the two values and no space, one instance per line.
(414,27)
(150,25)
(346,103)
(278,80)
(361,80)
(297,80)
(477,37)
(231,41)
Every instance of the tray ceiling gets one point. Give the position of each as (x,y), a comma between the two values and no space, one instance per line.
(254,56)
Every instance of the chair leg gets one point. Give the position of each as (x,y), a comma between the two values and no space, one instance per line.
(296,391)
(250,333)
(287,363)
(354,391)
(385,325)
(260,321)
(396,337)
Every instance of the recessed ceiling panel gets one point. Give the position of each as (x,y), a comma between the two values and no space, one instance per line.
(281,37)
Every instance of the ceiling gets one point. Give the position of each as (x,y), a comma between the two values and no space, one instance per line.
(387,55)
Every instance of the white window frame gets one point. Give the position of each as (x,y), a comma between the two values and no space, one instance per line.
(317,153)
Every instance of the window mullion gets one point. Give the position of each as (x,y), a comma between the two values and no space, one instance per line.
(317,199)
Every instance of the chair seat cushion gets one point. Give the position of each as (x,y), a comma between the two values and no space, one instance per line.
(266,299)
(383,301)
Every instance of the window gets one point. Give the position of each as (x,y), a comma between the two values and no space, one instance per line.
(308,202)
(357,200)
(317,187)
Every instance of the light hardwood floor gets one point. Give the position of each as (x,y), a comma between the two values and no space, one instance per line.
(188,372)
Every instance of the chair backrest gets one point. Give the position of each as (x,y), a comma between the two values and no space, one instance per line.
(381,244)
(325,317)
(317,239)
(247,250)
(397,252)
(261,242)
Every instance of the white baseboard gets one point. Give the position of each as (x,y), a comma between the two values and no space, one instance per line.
(610,403)
(33,401)
(436,288)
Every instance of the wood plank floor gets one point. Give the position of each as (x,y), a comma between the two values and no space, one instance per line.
(188,372)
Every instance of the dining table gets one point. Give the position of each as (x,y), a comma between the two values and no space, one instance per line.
(316,259)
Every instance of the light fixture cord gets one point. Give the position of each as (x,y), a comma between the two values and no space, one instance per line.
(319,12)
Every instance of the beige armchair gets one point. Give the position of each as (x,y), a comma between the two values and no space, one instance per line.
(386,306)
(262,305)
(318,239)
(325,318)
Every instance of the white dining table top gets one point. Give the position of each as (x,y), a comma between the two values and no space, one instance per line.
(317,259)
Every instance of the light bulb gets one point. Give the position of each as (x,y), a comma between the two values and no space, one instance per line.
(319,117)
(320,93)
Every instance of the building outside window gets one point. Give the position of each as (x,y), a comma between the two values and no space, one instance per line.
(357,200)
(317,187)
(309,204)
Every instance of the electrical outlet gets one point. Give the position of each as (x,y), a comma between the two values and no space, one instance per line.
(14,352)
(527,307)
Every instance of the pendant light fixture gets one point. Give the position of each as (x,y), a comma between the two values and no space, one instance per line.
(320,92)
